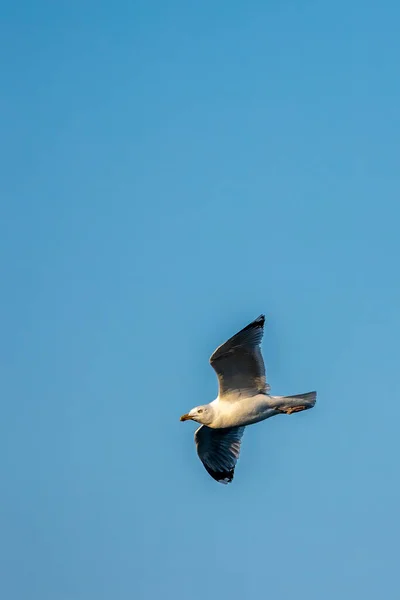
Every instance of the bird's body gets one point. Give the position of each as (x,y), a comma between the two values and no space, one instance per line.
(251,409)
(247,410)
(243,400)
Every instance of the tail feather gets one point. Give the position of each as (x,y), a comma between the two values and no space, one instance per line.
(310,398)
(292,404)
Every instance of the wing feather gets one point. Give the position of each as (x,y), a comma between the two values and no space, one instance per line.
(239,364)
(218,450)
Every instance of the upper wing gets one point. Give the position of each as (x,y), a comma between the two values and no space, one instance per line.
(218,450)
(239,363)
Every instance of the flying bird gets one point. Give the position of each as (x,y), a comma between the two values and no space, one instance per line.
(243,399)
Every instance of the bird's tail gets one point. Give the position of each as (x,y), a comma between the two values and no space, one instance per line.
(291,404)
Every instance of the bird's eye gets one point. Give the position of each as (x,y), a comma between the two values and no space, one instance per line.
(200,410)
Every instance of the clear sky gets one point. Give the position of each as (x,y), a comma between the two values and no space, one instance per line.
(170,170)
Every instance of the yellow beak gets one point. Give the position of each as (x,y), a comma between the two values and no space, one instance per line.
(185,418)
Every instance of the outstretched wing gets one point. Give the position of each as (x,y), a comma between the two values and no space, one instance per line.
(218,450)
(239,364)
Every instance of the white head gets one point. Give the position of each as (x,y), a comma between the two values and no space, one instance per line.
(201,414)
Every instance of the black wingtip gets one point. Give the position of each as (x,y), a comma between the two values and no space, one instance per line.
(251,334)
(221,476)
(259,322)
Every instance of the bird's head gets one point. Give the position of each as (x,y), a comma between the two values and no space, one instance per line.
(200,414)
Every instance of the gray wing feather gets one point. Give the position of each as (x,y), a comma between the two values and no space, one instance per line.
(218,450)
(239,364)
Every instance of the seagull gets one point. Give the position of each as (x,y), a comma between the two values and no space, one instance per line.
(243,399)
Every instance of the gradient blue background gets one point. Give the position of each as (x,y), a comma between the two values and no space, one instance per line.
(170,170)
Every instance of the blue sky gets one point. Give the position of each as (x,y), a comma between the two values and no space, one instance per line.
(170,171)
